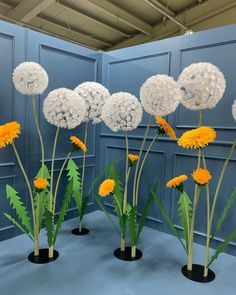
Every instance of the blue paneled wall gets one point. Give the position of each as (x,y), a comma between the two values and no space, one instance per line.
(122,70)
(127,69)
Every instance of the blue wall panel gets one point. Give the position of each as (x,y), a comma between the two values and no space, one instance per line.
(127,69)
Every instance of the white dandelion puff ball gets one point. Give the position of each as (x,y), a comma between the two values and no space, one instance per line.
(160,95)
(122,111)
(94,96)
(64,108)
(30,78)
(234,110)
(203,86)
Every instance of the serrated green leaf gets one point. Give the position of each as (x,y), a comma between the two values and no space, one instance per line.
(224,213)
(64,208)
(49,227)
(21,211)
(85,201)
(9,217)
(222,247)
(40,205)
(185,212)
(101,174)
(103,208)
(144,215)
(132,220)
(43,172)
(123,223)
(167,218)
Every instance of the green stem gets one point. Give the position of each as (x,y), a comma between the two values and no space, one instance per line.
(140,153)
(209,223)
(221,179)
(118,204)
(127,171)
(200,117)
(52,169)
(191,231)
(58,180)
(142,165)
(84,158)
(26,179)
(38,129)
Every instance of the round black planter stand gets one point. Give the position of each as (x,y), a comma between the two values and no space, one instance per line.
(43,258)
(76,231)
(197,274)
(126,255)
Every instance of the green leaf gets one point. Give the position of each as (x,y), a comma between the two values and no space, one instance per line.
(43,172)
(64,208)
(185,213)
(9,217)
(49,227)
(101,174)
(21,211)
(123,223)
(118,190)
(84,204)
(106,212)
(224,213)
(144,215)
(132,220)
(41,204)
(167,218)
(222,247)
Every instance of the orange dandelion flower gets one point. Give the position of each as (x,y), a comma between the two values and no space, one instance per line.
(106,187)
(166,127)
(8,133)
(177,181)
(40,183)
(78,144)
(201,176)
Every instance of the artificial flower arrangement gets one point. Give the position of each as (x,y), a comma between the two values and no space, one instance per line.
(203,86)
(65,109)
(123,111)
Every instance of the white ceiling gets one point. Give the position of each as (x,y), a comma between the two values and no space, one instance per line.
(111,24)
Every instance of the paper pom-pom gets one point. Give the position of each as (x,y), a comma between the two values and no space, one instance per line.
(203,86)
(94,96)
(64,108)
(160,95)
(122,111)
(30,78)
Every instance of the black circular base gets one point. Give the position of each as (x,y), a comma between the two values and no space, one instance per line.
(126,255)
(43,257)
(76,231)
(197,273)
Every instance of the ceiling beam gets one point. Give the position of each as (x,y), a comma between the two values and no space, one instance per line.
(85,14)
(154,5)
(163,7)
(123,15)
(26,10)
(200,12)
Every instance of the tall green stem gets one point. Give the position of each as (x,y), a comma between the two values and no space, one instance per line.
(38,129)
(52,168)
(126,173)
(142,165)
(36,232)
(83,170)
(209,224)
(191,232)
(140,154)
(58,180)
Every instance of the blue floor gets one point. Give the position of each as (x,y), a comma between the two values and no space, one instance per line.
(86,266)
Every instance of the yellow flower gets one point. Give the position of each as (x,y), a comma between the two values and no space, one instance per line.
(40,183)
(166,127)
(133,158)
(78,144)
(201,176)
(197,138)
(177,181)
(8,133)
(106,187)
